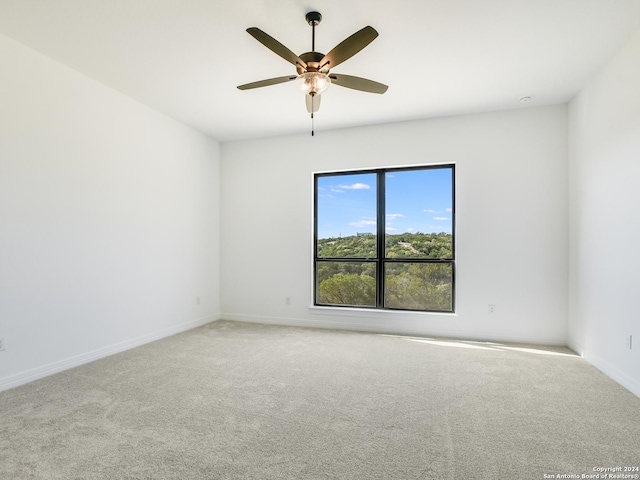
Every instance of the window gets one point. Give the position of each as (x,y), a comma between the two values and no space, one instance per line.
(385,239)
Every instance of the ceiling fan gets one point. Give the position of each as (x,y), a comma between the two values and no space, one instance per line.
(313,68)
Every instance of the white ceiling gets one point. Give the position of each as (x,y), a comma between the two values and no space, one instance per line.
(439,57)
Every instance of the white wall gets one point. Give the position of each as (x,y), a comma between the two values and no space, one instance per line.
(604,165)
(512,233)
(109,225)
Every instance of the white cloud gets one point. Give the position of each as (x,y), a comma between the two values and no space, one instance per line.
(355,186)
(431,211)
(411,230)
(393,216)
(336,190)
(391,229)
(362,223)
(440,219)
(449,210)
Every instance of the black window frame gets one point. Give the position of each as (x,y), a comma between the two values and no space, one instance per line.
(381,261)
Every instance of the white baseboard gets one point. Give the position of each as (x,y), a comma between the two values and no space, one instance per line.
(395,328)
(614,373)
(297,322)
(576,347)
(77,360)
(605,367)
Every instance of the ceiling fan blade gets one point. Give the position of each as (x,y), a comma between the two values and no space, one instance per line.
(348,48)
(266,83)
(275,46)
(358,83)
(313,102)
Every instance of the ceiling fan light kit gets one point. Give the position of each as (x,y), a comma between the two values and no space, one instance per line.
(313,83)
(313,68)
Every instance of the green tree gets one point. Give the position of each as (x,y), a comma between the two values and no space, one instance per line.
(418,286)
(348,289)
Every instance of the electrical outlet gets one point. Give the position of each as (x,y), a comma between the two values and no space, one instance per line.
(492,309)
(197,300)
(630,342)
(287,300)
(3,344)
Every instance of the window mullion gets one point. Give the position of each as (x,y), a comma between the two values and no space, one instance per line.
(380,240)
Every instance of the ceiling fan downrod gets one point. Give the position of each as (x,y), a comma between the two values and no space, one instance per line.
(313,19)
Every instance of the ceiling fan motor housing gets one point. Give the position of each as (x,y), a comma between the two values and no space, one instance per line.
(312,59)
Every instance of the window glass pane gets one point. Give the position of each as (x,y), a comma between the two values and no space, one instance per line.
(346,216)
(419,286)
(346,283)
(419,213)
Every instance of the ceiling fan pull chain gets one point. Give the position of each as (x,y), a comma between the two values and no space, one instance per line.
(313,97)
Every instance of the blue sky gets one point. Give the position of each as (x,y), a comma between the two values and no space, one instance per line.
(416,201)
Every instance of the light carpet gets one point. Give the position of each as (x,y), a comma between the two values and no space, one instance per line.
(245,401)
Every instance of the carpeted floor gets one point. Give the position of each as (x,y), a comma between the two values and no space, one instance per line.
(245,401)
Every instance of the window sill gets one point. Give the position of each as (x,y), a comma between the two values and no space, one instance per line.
(370,312)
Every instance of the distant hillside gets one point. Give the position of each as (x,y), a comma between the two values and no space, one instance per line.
(402,245)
